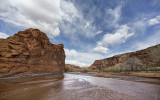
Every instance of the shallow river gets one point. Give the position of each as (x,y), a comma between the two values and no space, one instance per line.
(81,87)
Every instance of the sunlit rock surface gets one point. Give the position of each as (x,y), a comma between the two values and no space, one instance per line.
(30,51)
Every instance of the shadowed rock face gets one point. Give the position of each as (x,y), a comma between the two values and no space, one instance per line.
(143,55)
(30,51)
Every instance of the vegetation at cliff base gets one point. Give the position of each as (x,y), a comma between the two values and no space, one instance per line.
(132,65)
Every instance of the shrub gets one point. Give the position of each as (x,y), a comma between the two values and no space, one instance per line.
(153,69)
(152,64)
(67,69)
(115,68)
(84,70)
(111,69)
(133,64)
(155,55)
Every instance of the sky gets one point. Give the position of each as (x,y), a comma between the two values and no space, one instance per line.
(89,29)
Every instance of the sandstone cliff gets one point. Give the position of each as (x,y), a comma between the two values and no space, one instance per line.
(30,51)
(143,55)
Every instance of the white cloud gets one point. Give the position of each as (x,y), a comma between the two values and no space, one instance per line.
(139,26)
(87,25)
(113,16)
(120,36)
(50,16)
(69,11)
(99,32)
(73,22)
(81,59)
(71,53)
(74,62)
(101,49)
(3,35)
(150,41)
(154,21)
(44,15)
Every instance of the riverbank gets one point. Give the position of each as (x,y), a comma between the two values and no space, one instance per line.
(18,78)
(139,74)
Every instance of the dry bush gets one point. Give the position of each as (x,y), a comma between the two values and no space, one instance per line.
(115,68)
(155,55)
(133,64)
(67,69)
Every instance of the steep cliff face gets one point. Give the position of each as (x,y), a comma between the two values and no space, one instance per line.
(30,51)
(143,55)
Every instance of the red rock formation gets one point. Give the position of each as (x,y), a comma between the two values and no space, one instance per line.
(143,55)
(30,51)
(72,66)
(84,67)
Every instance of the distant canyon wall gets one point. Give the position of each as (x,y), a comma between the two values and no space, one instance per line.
(143,55)
(72,66)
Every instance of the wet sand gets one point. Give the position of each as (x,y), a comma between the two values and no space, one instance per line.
(80,87)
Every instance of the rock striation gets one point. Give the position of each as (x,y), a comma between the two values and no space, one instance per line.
(30,51)
(143,55)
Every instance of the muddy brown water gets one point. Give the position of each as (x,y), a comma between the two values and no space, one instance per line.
(80,87)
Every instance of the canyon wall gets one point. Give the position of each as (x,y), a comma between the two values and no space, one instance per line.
(143,55)
(30,51)
(72,66)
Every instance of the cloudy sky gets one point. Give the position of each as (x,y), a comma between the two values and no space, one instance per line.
(89,29)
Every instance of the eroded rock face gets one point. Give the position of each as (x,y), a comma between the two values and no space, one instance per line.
(30,51)
(143,55)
